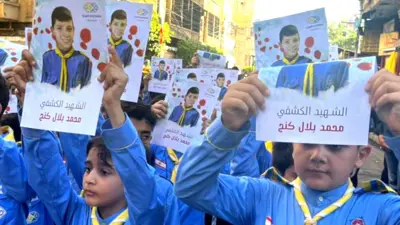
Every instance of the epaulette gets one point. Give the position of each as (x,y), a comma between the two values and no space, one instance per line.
(375,186)
(273,175)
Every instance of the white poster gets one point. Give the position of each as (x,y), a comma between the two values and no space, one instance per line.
(163,70)
(211,60)
(69,43)
(190,103)
(128,32)
(295,39)
(333,52)
(322,103)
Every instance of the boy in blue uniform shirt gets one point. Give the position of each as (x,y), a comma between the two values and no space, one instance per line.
(313,78)
(130,198)
(186,115)
(64,67)
(322,194)
(289,41)
(161,74)
(221,84)
(118,25)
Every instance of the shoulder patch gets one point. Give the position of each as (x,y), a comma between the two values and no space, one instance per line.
(32,217)
(3,212)
(358,221)
(160,164)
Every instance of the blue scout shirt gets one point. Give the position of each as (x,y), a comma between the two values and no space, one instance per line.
(79,69)
(300,60)
(124,50)
(222,93)
(161,76)
(324,76)
(3,57)
(148,203)
(251,156)
(190,118)
(244,200)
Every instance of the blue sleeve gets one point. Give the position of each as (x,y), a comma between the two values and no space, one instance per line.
(147,196)
(128,55)
(100,123)
(85,71)
(48,177)
(14,176)
(195,119)
(244,163)
(390,214)
(74,147)
(200,185)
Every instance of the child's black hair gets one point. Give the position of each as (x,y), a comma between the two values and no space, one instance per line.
(12,121)
(103,153)
(282,156)
(220,75)
(119,15)
(191,76)
(61,14)
(139,112)
(162,62)
(287,31)
(193,90)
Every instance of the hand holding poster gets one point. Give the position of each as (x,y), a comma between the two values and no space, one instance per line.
(322,103)
(211,60)
(190,104)
(163,70)
(129,26)
(70,47)
(28,37)
(295,39)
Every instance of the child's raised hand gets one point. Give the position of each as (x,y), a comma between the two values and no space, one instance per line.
(160,109)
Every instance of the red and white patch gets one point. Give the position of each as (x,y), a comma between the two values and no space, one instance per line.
(161,164)
(358,222)
(268,221)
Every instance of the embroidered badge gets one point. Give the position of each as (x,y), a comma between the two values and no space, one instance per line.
(358,221)
(268,221)
(32,217)
(161,164)
(3,212)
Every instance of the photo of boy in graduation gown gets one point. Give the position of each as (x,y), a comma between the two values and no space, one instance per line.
(310,79)
(64,66)
(118,26)
(220,84)
(289,41)
(3,57)
(161,74)
(186,115)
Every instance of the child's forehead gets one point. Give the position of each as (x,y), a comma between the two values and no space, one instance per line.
(63,23)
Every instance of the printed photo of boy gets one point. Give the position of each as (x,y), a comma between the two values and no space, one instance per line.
(161,74)
(186,115)
(220,84)
(118,26)
(289,41)
(311,79)
(64,66)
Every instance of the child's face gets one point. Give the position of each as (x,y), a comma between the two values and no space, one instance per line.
(102,185)
(290,45)
(161,67)
(190,99)
(195,60)
(144,130)
(64,32)
(220,82)
(325,167)
(118,28)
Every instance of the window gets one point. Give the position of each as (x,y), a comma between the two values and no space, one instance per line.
(187,14)
(213,26)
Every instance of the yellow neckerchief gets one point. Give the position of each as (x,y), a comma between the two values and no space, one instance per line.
(172,155)
(325,212)
(392,62)
(269,146)
(287,62)
(115,44)
(9,133)
(64,69)
(309,80)
(120,220)
(273,175)
(181,120)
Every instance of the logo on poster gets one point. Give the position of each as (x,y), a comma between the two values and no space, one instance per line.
(313,19)
(142,12)
(91,7)
(211,91)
